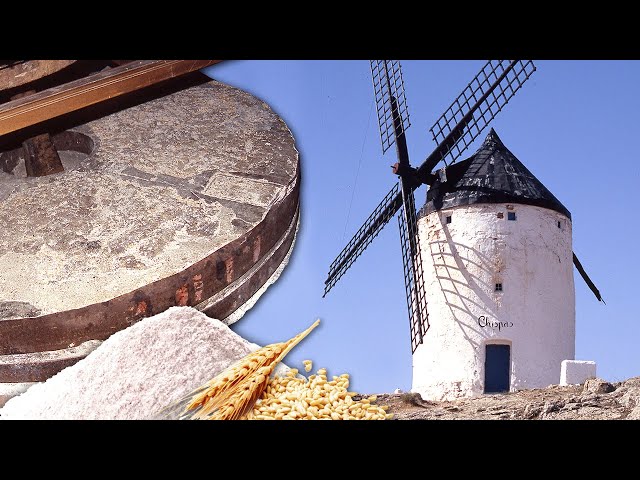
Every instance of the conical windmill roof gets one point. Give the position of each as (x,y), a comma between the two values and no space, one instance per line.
(491,175)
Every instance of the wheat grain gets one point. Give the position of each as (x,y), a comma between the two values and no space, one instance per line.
(308,365)
(314,398)
(232,393)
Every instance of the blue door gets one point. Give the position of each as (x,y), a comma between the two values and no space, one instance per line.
(496,368)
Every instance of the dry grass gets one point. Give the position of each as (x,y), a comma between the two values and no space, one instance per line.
(232,393)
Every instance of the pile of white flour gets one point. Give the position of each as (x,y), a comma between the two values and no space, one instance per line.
(137,371)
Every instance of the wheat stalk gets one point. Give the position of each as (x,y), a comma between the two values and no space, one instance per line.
(233,392)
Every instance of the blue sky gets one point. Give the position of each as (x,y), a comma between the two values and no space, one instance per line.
(574,124)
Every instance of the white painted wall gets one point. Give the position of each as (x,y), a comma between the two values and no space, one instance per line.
(535,312)
(575,372)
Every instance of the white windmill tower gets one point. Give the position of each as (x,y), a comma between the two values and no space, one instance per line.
(497,277)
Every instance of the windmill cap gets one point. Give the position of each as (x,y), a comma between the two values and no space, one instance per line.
(491,175)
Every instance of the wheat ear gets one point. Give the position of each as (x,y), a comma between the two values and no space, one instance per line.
(233,392)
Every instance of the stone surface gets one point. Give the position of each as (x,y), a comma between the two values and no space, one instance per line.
(552,403)
(167,183)
(573,372)
(237,315)
(597,385)
(635,414)
(630,397)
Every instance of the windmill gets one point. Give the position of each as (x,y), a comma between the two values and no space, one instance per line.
(454,131)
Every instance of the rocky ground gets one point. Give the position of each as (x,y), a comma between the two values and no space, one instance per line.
(595,399)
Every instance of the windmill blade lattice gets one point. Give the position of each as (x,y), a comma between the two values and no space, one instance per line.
(388,87)
(484,97)
(385,210)
(413,273)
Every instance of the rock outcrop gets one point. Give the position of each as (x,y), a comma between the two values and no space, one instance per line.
(595,399)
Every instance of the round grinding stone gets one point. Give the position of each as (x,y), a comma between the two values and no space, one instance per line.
(188,199)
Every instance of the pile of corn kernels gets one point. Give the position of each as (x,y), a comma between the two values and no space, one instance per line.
(314,398)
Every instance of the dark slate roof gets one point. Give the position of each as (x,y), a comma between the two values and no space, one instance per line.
(492,175)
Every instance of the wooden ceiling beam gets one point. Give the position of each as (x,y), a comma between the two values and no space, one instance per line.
(53,102)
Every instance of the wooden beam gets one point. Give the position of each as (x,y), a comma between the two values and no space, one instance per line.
(27,71)
(95,88)
(41,157)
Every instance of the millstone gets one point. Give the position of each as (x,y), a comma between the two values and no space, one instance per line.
(187,199)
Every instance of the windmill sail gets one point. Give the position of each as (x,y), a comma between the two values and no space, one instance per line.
(413,274)
(393,120)
(586,278)
(478,104)
(490,90)
(391,103)
(384,212)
